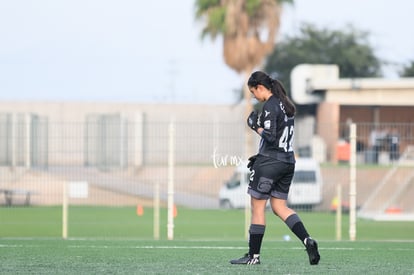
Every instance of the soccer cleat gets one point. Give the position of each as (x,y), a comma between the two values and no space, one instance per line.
(246,259)
(312,249)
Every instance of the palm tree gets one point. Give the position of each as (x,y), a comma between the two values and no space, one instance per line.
(248,28)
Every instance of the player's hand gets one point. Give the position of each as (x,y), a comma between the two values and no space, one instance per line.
(252,159)
(252,121)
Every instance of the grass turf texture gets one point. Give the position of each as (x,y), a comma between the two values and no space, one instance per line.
(75,256)
(190,224)
(115,240)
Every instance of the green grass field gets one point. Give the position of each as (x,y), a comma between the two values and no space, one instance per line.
(52,256)
(114,240)
(190,224)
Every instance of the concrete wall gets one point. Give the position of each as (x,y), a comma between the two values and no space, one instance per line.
(200,130)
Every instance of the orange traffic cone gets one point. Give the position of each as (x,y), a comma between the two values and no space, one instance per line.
(175,211)
(140,210)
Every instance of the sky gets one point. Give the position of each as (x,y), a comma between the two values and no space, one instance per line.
(151,51)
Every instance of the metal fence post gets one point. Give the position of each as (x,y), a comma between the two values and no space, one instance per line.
(171,149)
(352,184)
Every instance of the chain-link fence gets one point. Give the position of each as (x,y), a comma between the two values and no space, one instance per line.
(121,160)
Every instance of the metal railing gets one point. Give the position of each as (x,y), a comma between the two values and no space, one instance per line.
(122,160)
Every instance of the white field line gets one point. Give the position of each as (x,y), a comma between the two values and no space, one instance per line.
(188,241)
(199,247)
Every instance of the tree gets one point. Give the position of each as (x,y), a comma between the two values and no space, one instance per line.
(248,29)
(349,49)
(408,70)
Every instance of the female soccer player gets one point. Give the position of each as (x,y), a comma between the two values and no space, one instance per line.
(273,167)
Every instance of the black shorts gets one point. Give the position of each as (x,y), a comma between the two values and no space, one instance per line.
(270,177)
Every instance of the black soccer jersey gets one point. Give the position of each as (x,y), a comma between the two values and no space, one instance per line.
(278,134)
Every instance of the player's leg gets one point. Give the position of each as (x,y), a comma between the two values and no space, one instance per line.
(259,189)
(290,218)
(257,226)
(256,233)
(279,206)
(279,198)
(296,225)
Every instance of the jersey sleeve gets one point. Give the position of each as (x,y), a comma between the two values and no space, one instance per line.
(269,123)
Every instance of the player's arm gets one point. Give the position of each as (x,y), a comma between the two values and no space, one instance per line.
(254,121)
(268,131)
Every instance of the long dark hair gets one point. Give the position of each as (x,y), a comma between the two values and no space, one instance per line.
(276,87)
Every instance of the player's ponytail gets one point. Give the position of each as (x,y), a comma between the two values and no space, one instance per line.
(276,87)
(279,90)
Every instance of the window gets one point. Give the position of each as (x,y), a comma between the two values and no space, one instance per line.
(302,176)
